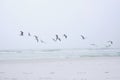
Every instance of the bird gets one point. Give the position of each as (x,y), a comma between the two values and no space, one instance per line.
(54,39)
(82,37)
(21,33)
(29,34)
(65,35)
(57,38)
(111,42)
(36,37)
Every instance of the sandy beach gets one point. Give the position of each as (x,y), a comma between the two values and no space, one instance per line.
(92,68)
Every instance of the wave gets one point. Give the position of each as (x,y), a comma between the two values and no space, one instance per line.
(58,53)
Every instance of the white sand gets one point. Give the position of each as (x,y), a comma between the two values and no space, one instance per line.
(107,68)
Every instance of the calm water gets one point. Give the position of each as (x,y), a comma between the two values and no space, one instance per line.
(57,53)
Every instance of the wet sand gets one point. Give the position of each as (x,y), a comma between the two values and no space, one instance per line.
(92,68)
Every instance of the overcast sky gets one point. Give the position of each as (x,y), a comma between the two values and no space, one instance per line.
(97,20)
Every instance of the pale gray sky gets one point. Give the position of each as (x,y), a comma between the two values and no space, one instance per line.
(97,20)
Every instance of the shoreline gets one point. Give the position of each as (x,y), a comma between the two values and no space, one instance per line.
(61,60)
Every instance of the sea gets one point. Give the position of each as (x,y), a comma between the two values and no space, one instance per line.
(58,53)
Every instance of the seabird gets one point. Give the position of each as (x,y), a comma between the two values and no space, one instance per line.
(65,35)
(111,42)
(57,38)
(29,34)
(36,37)
(82,37)
(21,33)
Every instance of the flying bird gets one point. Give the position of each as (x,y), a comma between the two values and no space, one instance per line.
(111,42)
(65,35)
(57,38)
(21,33)
(82,37)
(36,37)
(29,34)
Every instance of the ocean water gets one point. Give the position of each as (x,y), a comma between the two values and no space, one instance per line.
(57,53)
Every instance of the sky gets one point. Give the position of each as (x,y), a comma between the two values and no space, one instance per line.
(97,20)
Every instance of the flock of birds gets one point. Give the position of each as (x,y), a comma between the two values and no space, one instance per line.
(57,38)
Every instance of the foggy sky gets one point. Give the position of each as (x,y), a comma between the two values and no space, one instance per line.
(97,20)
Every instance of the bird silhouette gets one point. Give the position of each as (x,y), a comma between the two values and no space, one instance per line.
(111,42)
(65,35)
(57,38)
(93,44)
(82,37)
(21,33)
(36,37)
(29,34)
